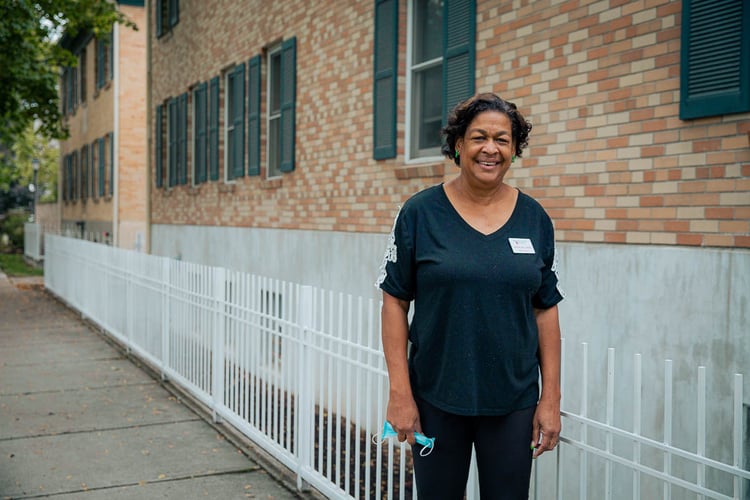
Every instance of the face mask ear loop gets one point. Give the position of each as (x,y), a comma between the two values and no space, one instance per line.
(426,450)
(376,440)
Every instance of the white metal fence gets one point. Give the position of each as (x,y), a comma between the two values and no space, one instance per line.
(299,370)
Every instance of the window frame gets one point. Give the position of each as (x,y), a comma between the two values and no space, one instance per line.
(234,123)
(411,132)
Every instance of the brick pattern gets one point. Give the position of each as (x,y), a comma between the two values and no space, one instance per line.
(608,157)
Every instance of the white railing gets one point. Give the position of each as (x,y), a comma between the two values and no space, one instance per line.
(299,370)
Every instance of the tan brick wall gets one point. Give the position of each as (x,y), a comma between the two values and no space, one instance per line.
(95,118)
(608,158)
(131,130)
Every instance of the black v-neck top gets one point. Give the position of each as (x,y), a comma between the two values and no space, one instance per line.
(474,337)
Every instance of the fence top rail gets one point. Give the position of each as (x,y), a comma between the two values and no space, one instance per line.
(638,438)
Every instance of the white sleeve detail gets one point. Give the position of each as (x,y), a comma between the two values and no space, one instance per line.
(555,263)
(391,253)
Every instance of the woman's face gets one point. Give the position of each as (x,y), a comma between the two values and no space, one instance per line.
(486,149)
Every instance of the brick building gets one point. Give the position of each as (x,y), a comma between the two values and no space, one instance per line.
(103,173)
(284,135)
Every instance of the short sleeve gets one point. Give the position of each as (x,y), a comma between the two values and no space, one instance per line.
(397,272)
(549,292)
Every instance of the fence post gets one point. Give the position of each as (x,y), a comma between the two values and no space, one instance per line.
(303,434)
(217,355)
(165,317)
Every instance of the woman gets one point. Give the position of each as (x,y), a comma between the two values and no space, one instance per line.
(477,258)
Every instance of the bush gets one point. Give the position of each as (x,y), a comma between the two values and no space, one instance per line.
(12,226)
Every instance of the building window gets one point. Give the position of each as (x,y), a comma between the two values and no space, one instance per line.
(75,175)
(69,91)
(715,58)
(94,152)
(84,172)
(159,146)
(235,123)
(182,139)
(167,16)
(213,128)
(200,133)
(111,160)
(172,142)
(177,141)
(426,78)
(281,84)
(104,68)
(442,44)
(82,72)
(102,166)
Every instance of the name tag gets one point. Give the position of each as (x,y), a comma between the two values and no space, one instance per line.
(521,245)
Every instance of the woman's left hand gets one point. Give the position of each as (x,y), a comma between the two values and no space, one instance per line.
(545,434)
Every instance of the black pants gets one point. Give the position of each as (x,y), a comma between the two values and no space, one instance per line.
(503,448)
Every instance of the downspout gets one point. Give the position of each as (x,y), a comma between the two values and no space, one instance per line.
(116,137)
(149,123)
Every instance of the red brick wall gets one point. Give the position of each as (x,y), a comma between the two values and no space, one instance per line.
(609,157)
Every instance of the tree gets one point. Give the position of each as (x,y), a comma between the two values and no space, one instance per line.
(31,58)
(17,173)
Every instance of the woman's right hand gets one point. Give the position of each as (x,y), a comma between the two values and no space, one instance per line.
(403,415)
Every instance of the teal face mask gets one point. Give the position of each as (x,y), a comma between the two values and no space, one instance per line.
(428,444)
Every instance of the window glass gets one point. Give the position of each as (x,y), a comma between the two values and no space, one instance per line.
(274,112)
(426,78)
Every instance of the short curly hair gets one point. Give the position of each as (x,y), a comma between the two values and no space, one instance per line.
(465,112)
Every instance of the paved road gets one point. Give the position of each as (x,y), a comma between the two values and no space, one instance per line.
(80,419)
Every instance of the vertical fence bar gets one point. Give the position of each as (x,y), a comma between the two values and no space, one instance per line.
(165,352)
(306,317)
(637,417)
(668,426)
(701,448)
(609,419)
(583,472)
(738,438)
(563,388)
(217,359)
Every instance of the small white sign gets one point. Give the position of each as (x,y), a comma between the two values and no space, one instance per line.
(521,245)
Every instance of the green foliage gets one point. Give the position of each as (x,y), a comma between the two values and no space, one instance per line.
(31,58)
(14,265)
(12,226)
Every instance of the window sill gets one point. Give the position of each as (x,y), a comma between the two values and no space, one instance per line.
(272,183)
(420,171)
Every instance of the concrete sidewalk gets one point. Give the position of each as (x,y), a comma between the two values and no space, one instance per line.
(80,419)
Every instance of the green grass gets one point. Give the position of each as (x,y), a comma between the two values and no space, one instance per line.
(13,264)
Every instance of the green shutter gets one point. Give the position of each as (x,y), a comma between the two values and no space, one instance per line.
(159,141)
(238,121)
(288,99)
(199,162)
(715,58)
(84,171)
(174,12)
(111,141)
(213,129)
(102,171)
(99,64)
(92,182)
(111,55)
(253,116)
(182,140)
(384,79)
(459,47)
(159,20)
(172,142)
